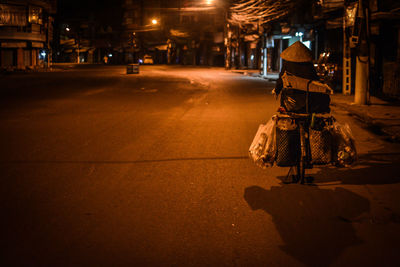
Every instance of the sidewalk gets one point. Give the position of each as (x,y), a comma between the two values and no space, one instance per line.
(380,116)
(271,76)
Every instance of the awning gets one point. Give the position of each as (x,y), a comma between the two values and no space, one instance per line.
(14,45)
(67,42)
(161,47)
(334,23)
(178,33)
(37,45)
(251,38)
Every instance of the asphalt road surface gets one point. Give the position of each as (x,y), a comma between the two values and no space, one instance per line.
(100,168)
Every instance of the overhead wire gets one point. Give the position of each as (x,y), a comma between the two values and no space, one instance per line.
(260,11)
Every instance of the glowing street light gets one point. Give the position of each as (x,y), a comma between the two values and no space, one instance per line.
(154,21)
(209,2)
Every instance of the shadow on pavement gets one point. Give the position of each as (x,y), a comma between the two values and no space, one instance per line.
(373,168)
(315,224)
(120,161)
(376,167)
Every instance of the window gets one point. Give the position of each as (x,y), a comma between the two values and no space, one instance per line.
(12,15)
(35,15)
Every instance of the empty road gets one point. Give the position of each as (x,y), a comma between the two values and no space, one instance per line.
(100,168)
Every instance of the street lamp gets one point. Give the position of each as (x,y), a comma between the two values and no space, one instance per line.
(75,34)
(154,21)
(209,2)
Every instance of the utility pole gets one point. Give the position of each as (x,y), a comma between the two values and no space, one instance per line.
(263,50)
(228,45)
(362,58)
(133,44)
(78,55)
(265,56)
(78,40)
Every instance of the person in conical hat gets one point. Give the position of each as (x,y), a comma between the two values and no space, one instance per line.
(297,52)
(297,60)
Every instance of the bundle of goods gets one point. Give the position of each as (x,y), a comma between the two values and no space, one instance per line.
(300,93)
(279,140)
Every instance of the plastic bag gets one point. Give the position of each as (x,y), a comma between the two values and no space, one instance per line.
(263,148)
(344,149)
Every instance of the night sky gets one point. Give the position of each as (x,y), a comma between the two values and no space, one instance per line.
(103,11)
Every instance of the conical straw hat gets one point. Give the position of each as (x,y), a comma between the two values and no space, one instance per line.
(297,52)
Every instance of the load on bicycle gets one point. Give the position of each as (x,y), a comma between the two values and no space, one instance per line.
(303,133)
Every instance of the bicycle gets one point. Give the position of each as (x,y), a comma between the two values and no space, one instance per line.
(299,145)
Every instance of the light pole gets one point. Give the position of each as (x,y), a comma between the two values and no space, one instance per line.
(76,37)
(137,36)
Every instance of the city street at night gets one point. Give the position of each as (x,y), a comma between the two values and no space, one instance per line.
(103,168)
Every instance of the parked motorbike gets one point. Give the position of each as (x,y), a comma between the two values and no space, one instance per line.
(327,68)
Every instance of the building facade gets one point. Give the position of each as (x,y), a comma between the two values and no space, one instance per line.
(174,32)
(337,31)
(258,31)
(89,32)
(371,28)
(26,33)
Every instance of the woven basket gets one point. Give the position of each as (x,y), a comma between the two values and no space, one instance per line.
(321,147)
(288,147)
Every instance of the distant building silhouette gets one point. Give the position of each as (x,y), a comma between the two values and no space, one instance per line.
(26,33)
(174,32)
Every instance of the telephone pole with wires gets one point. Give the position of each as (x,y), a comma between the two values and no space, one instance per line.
(362,83)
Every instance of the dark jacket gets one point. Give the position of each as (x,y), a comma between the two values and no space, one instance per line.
(304,70)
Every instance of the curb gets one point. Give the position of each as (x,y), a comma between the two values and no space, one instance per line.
(375,125)
(390,133)
(253,74)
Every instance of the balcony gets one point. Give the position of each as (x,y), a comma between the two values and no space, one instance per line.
(23,36)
